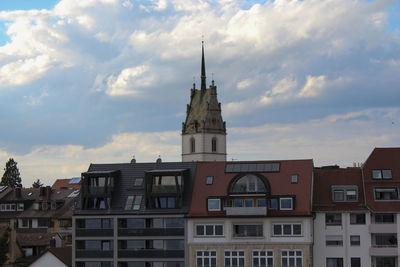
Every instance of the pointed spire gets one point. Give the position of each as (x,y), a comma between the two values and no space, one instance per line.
(203,69)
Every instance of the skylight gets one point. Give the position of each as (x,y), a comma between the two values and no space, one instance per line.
(75,180)
(253,167)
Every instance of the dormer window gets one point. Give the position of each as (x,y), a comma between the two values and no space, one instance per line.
(345,193)
(249,184)
(286,203)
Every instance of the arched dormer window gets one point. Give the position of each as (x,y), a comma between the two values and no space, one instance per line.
(214,144)
(192,145)
(249,183)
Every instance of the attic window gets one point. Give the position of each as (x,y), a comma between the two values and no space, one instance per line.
(295,178)
(382,174)
(133,202)
(138,182)
(210,180)
(20,206)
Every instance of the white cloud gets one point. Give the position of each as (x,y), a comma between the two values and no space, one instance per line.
(127,4)
(282,91)
(128,81)
(244,84)
(313,87)
(24,71)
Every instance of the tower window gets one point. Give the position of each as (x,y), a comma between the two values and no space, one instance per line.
(214,145)
(192,145)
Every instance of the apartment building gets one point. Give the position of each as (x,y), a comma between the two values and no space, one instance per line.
(251,214)
(38,218)
(132,215)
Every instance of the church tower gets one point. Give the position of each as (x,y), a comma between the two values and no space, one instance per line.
(204,131)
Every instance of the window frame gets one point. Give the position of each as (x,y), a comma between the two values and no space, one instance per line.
(339,261)
(269,255)
(288,257)
(282,234)
(214,227)
(240,255)
(345,189)
(259,226)
(210,257)
(355,242)
(333,223)
(352,215)
(382,190)
(381,175)
(286,198)
(213,209)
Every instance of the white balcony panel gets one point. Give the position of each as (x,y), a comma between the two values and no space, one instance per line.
(245,211)
(388,251)
(385,228)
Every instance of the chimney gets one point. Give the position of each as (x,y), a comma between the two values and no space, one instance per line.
(18,192)
(42,191)
(159,160)
(48,193)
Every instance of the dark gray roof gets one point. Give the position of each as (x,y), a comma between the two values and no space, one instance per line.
(124,187)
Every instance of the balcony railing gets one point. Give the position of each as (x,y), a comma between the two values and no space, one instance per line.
(151,232)
(386,228)
(164,189)
(150,253)
(94,232)
(383,251)
(83,253)
(246,211)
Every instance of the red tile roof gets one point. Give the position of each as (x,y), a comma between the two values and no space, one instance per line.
(324,179)
(280,185)
(382,159)
(64,183)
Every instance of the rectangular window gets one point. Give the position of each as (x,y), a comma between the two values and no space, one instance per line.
(174,244)
(206,258)
(286,203)
(384,240)
(234,258)
(383,218)
(334,262)
(248,203)
(174,223)
(355,240)
(273,204)
(138,182)
(209,180)
(291,258)
(261,202)
(247,230)
(214,204)
(43,222)
(263,258)
(286,229)
(344,193)
(382,174)
(133,202)
(355,262)
(20,206)
(209,230)
(357,218)
(238,202)
(334,240)
(333,219)
(295,178)
(386,193)
(24,223)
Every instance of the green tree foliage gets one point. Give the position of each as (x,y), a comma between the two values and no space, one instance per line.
(3,248)
(37,184)
(11,176)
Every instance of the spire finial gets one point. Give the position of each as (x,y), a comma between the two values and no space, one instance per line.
(203,69)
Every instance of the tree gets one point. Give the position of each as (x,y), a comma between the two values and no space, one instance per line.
(37,184)
(3,248)
(11,176)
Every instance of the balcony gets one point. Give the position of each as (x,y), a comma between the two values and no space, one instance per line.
(94,232)
(383,251)
(81,253)
(246,211)
(150,253)
(151,232)
(164,189)
(385,228)
(100,190)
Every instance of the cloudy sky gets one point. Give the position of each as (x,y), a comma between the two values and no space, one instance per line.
(99,81)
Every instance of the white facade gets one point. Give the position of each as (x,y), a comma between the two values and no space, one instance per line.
(342,232)
(267,242)
(203,147)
